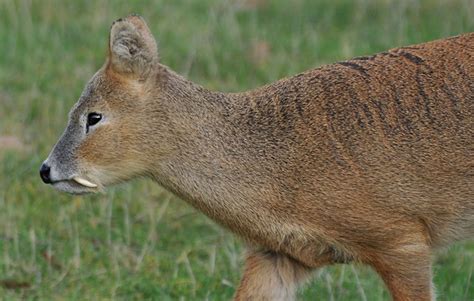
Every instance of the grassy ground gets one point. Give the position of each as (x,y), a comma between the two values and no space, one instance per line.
(138,241)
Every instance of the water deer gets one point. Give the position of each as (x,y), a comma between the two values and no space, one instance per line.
(368,160)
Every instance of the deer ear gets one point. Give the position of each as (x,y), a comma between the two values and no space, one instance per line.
(132,48)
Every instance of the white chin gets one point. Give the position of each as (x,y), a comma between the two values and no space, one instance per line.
(72,187)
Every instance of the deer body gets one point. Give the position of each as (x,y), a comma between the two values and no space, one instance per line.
(369,160)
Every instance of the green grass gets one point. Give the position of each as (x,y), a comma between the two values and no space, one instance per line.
(137,241)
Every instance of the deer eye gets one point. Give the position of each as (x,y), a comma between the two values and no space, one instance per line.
(93,119)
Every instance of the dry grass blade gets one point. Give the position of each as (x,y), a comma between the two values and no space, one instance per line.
(14,284)
(11,143)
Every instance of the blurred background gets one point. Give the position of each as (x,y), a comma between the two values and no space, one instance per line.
(137,241)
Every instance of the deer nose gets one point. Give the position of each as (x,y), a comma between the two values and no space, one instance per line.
(45,171)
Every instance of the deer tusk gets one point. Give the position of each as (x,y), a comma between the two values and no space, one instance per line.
(84,182)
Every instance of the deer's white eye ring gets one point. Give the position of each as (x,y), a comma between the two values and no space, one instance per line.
(93,119)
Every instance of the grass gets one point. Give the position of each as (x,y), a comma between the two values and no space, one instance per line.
(137,241)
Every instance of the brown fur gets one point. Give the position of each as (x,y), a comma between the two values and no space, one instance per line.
(368,160)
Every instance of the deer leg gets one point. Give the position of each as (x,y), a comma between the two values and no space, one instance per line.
(270,276)
(407,273)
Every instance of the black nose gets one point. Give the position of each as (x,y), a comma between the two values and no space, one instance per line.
(44,173)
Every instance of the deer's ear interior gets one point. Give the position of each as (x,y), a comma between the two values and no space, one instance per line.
(132,48)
